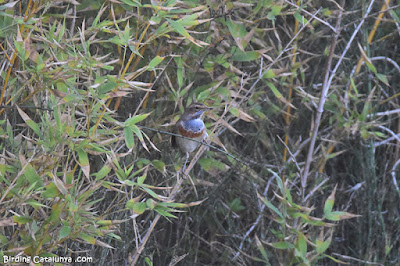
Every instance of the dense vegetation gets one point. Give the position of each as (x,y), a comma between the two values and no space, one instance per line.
(305,104)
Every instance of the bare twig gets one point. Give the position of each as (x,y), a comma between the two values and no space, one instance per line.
(154,83)
(394,135)
(287,48)
(247,234)
(308,13)
(358,260)
(393,173)
(327,81)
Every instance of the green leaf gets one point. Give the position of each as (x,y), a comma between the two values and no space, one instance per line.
(177,26)
(89,239)
(283,245)
(151,192)
(382,78)
(83,157)
(210,165)
(154,62)
(301,19)
(34,203)
(104,171)
(179,71)
(239,56)
(236,205)
(262,250)
(55,212)
(159,165)
(269,74)
(115,236)
(141,180)
(106,87)
(172,204)
(133,3)
(148,261)
(329,203)
(234,111)
(272,207)
(165,213)
(21,219)
(137,132)
(50,191)
(84,161)
(137,207)
(371,66)
(150,203)
(322,246)
(30,122)
(64,232)
(274,90)
(129,139)
(135,119)
(32,177)
(302,245)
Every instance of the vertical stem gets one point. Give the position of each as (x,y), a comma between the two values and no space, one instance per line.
(324,94)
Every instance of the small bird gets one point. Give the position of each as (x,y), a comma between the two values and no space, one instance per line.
(191,125)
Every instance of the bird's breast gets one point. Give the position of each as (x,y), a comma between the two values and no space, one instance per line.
(194,128)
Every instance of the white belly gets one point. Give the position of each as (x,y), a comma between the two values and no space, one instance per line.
(187,145)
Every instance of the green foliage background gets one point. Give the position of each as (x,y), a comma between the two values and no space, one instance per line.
(89,89)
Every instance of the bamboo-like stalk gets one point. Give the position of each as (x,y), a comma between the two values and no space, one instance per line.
(326,84)
(371,35)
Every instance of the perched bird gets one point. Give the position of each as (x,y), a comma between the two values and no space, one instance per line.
(191,125)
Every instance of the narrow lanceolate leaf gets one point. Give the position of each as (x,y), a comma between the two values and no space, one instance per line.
(84,162)
(132,3)
(270,206)
(178,27)
(129,139)
(138,133)
(154,62)
(89,239)
(29,122)
(103,172)
(34,203)
(261,249)
(302,245)
(241,114)
(329,203)
(278,94)
(135,119)
(179,71)
(338,215)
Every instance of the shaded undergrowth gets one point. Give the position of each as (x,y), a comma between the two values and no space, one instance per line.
(84,171)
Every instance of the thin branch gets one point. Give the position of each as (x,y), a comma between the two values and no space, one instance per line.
(198,141)
(327,82)
(261,214)
(393,173)
(175,190)
(308,13)
(287,48)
